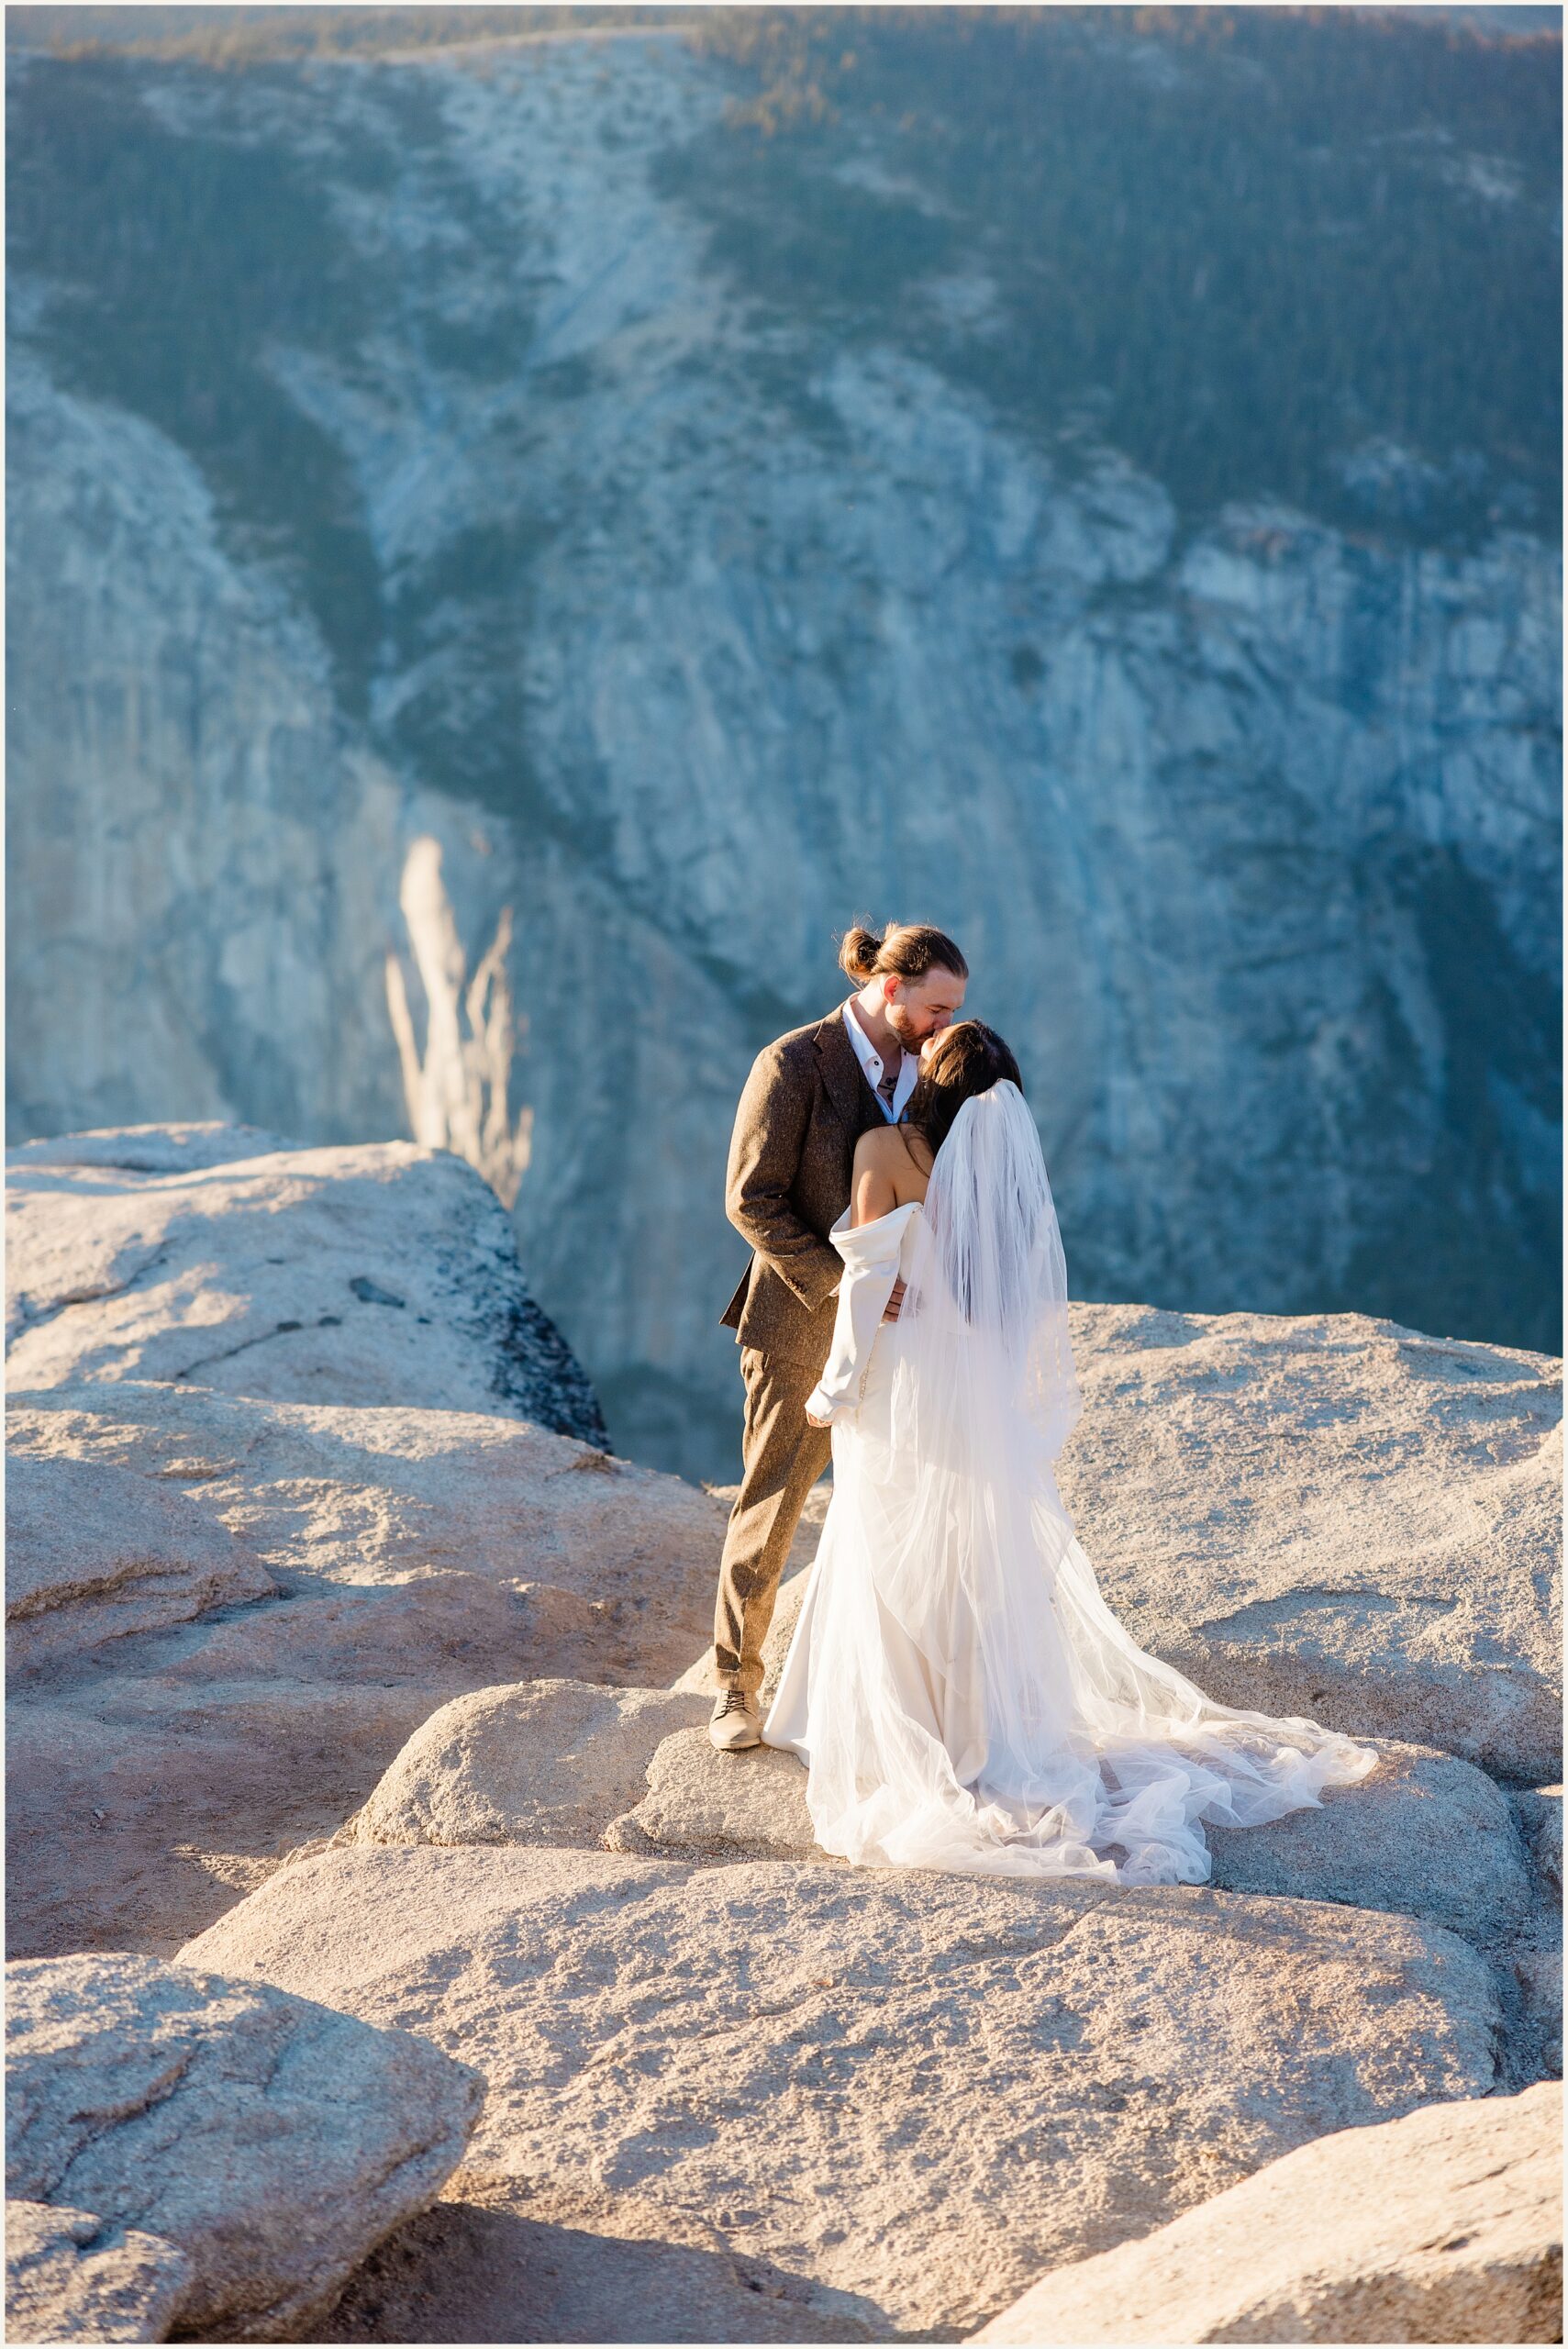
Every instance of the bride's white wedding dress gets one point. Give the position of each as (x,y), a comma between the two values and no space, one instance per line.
(958,1690)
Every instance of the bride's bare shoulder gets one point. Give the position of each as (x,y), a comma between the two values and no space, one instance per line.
(894,1150)
(892,1168)
(879,1146)
(894,1146)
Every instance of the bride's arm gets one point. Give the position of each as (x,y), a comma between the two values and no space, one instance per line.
(870,1267)
(874,1193)
(867,1238)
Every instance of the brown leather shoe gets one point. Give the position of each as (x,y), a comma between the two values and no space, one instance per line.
(736,1722)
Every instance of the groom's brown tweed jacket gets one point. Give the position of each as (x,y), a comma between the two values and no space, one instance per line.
(805,1104)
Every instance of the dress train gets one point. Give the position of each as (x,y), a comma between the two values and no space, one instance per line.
(961,1693)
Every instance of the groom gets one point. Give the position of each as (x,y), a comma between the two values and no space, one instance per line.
(808,1101)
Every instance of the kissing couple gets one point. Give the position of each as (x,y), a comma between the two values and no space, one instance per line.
(960,1693)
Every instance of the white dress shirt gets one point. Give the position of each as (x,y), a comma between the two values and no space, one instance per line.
(870,1059)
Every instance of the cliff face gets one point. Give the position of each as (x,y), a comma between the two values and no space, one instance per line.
(474,577)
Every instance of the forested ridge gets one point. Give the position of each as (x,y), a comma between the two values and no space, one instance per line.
(1312,252)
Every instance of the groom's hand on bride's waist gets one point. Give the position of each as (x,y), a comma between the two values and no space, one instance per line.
(890,1310)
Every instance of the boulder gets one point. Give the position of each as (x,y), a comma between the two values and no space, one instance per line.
(347,1499)
(917,2089)
(70,2278)
(271,2142)
(1425,1835)
(146,1799)
(133,1826)
(1446,2226)
(423,1554)
(553,1762)
(382,1273)
(93,1552)
(1331,1515)
(144,1804)
(730,1806)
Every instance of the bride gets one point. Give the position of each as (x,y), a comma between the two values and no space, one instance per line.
(958,1690)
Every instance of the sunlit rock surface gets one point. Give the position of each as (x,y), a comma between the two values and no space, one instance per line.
(944,2048)
(1444,2226)
(270,2140)
(218,1259)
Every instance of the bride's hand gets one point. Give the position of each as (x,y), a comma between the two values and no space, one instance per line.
(816,1422)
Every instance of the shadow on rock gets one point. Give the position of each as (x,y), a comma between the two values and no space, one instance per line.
(497,2265)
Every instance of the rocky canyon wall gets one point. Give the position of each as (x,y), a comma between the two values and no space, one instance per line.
(520,579)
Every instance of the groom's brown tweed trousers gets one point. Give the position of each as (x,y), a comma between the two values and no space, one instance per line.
(805,1104)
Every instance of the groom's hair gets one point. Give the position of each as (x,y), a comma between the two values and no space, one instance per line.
(965,1059)
(908,949)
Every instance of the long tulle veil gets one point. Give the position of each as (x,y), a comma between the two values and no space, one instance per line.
(984,1395)
(985,1315)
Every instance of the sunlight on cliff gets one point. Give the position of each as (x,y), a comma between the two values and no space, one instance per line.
(456,1091)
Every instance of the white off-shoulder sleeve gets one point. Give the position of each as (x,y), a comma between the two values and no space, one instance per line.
(871,1253)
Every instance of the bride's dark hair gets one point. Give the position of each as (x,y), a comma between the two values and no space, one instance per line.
(966,1059)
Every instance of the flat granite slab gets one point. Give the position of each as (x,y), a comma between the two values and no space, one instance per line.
(917,2090)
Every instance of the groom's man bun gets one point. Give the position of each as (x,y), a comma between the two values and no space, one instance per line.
(908,949)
